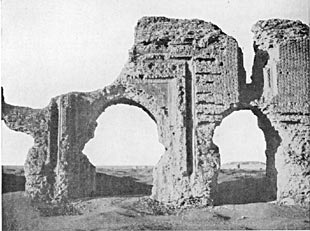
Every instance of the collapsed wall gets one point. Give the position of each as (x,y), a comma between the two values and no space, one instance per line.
(283,83)
(187,75)
(200,64)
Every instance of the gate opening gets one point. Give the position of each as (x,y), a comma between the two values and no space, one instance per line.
(124,150)
(247,173)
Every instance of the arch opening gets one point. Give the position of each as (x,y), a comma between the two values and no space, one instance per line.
(247,144)
(125,148)
(128,102)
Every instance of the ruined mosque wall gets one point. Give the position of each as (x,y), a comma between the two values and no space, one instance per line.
(286,102)
(187,75)
(200,64)
(78,113)
(35,123)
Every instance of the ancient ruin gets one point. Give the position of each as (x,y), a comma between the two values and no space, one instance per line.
(187,75)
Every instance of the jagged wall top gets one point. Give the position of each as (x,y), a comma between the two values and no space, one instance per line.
(287,71)
(160,34)
(268,33)
(175,31)
(168,41)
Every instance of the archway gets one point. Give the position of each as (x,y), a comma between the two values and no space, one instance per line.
(125,148)
(247,143)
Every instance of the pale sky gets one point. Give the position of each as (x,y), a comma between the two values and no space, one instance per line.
(54,47)
(239,138)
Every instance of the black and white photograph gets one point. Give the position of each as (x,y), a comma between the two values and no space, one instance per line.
(155,115)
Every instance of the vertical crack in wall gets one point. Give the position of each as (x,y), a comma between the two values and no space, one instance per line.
(189,119)
(73,154)
(254,90)
(53,144)
(60,122)
(241,76)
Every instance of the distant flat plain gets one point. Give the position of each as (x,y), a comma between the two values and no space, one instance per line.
(242,203)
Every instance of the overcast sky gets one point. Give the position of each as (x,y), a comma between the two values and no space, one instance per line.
(54,47)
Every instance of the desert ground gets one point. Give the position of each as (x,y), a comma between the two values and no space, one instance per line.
(121,203)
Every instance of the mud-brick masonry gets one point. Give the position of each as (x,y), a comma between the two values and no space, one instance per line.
(187,75)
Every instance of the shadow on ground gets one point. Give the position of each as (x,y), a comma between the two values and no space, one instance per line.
(243,189)
(12,183)
(236,186)
(108,185)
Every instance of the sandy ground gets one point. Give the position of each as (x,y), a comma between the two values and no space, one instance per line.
(128,211)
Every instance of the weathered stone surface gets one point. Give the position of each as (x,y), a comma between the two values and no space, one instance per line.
(187,75)
(272,32)
(285,100)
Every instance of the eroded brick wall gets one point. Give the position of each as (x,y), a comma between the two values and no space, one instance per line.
(285,100)
(187,75)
